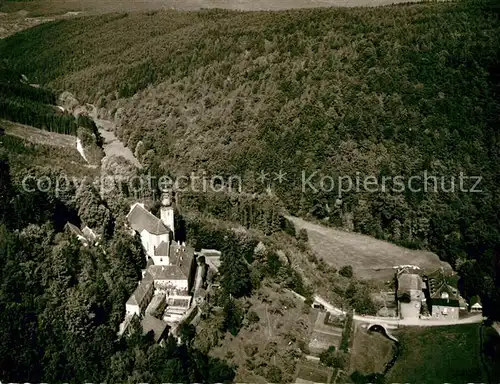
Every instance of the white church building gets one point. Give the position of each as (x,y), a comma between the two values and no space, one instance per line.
(167,282)
(156,234)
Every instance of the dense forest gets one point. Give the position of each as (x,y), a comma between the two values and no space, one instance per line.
(32,105)
(61,302)
(260,211)
(242,267)
(391,91)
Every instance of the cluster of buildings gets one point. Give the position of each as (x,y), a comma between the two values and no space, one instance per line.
(434,295)
(172,282)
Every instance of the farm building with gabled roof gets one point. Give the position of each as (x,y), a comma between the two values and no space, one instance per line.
(409,294)
(442,296)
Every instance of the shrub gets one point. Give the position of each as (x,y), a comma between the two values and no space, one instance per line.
(302,239)
(312,258)
(362,302)
(253,317)
(346,271)
(326,357)
(249,364)
(274,374)
(340,359)
(344,343)
(374,378)
(288,227)
(303,346)
(302,235)
(251,349)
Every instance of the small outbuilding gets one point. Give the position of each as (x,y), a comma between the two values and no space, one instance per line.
(475,304)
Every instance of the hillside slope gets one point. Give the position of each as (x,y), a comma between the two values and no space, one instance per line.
(369,257)
(365,92)
(95,6)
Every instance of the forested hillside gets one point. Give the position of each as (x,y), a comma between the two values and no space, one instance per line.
(381,92)
(31,105)
(61,302)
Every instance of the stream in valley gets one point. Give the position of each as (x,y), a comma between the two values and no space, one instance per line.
(111,144)
(396,347)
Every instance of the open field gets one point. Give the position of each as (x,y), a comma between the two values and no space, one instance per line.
(439,354)
(369,257)
(111,145)
(28,146)
(38,136)
(16,22)
(370,352)
(309,372)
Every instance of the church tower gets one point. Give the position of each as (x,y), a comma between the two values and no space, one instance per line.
(167,212)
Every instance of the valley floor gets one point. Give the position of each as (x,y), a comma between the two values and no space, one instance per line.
(432,355)
(455,354)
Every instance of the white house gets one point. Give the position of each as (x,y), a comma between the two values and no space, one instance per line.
(410,285)
(156,234)
(140,299)
(86,236)
(168,277)
(90,234)
(73,229)
(475,304)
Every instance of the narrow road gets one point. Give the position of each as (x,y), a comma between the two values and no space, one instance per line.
(396,321)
